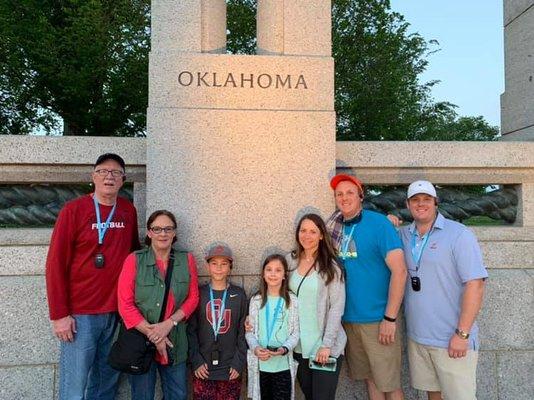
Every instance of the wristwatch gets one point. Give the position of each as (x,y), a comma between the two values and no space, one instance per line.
(174,322)
(462,334)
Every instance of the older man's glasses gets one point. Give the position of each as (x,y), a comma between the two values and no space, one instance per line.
(159,229)
(116,173)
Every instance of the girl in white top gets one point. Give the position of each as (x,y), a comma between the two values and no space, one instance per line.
(273,315)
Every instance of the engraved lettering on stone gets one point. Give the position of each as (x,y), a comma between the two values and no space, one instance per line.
(187,74)
(242,80)
(230,78)
(215,84)
(266,82)
(201,79)
(281,83)
(301,81)
(251,80)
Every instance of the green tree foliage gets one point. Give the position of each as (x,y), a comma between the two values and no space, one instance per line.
(241,26)
(378,94)
(85,61)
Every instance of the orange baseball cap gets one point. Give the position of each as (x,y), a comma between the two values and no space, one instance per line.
(344,177)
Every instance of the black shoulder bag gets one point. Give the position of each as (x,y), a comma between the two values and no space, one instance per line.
(132,352)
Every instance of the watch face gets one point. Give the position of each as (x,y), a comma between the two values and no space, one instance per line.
(462,334)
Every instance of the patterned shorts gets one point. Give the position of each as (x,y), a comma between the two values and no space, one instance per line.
(204,389)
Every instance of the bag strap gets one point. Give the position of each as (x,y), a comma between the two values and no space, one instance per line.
(304,277)
(168,274)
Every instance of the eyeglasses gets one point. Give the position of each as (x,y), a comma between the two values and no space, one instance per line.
(158,229)
(114,172)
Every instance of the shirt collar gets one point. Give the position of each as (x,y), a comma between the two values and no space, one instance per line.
(440,222)
(354,220)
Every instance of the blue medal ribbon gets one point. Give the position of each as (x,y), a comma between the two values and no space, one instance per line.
(217,322)
(270,326)
(346,242)
(102,230)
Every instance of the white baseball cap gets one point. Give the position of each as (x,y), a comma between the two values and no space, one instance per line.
(421,187)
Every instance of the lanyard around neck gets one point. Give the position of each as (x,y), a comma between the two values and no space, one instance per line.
(270,326)
(345,241)
(216,322)
(417,255)
(102,229)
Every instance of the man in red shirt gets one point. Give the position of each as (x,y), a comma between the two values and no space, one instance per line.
(92,237)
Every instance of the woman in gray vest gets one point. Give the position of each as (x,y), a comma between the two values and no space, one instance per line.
(317,280)
(141,293)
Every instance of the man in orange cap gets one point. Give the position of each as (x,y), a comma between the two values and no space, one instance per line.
(371,252)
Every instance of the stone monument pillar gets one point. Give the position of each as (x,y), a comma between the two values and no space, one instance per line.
(517,101)
(238,144)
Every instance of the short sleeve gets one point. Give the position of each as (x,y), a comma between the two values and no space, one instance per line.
(468,257)
(389,239)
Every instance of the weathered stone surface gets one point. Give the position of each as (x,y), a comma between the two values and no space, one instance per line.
(514,8)
(68,150)
(507,300)
(446,155)
(448,163)
(522,135)
(65,159)
(270,27)
(503,233)
(256,83)
(294,28)
(251,283)
(176,26)
(517,100)
(515,375)
(508,254)
(307,28)
(487,376)
(213,19)
(27,383)
(25,325)
(25,236)
(140,205)
(22,260)
(242,177)
(525,209)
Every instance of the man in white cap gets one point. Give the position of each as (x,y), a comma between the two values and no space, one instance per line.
(442,298)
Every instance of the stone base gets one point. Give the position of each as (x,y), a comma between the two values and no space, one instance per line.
(239,176)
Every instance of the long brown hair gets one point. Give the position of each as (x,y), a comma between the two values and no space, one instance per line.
(284,289)
(325,259)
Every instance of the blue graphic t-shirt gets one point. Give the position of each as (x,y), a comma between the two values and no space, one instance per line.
(366,241)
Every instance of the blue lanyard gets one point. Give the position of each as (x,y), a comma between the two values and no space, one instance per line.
(217,322)
(102,230)
(346,241)
(270,327)
(418,255)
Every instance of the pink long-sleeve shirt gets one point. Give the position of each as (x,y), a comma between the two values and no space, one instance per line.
(126,291)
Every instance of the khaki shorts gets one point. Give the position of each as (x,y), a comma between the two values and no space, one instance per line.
(432,369)
(368,359)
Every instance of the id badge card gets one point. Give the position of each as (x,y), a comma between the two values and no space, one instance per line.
(215,354)
(215,357)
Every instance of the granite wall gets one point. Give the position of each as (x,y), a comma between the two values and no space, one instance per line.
(517,101)
(28,351)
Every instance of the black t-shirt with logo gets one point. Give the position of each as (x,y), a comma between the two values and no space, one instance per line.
(231,346)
